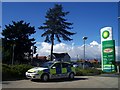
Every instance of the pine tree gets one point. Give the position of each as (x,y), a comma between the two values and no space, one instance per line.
(56,26)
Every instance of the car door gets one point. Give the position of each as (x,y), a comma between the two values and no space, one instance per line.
(55,70)
(66,68)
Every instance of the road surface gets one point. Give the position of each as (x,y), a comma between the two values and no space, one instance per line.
(102,81)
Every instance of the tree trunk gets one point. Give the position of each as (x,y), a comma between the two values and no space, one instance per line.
(52,39)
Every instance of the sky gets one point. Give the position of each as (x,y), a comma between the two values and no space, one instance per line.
(60,0)
(87,18)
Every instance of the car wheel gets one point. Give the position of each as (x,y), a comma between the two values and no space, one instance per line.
(45,77)
(71,76)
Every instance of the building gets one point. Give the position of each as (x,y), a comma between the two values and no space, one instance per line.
(60,57)
(39,60)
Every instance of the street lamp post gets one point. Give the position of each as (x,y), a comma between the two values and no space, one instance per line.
(84,38)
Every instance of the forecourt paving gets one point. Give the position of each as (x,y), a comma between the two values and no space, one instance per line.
(102,81)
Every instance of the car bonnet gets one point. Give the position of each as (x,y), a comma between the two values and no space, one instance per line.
(36,69)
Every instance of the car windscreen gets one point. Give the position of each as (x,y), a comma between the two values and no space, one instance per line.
(46,64)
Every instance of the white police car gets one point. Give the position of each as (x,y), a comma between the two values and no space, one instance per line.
(52,70)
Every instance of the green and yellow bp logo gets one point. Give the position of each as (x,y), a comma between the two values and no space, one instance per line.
(105,34)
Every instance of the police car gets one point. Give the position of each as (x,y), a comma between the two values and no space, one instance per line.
(52,70)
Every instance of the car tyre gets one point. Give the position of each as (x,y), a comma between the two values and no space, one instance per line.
(71,76)
(45,77)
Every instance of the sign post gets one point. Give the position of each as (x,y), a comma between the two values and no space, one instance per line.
(107,50)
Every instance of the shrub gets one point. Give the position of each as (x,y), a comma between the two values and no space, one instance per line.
(14,71)
(6,71)
(87,72)
(21,69)
(80,72)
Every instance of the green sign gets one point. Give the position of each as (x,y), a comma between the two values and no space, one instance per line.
(108,52)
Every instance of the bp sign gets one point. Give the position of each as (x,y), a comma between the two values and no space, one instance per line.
(105,34)
(108,55)
(107,50)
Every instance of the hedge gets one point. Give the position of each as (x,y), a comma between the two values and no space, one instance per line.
(14,71)
(87,71)
(18,71)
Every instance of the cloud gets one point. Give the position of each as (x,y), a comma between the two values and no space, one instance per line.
(43,48)
(94,43)
(92,50)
